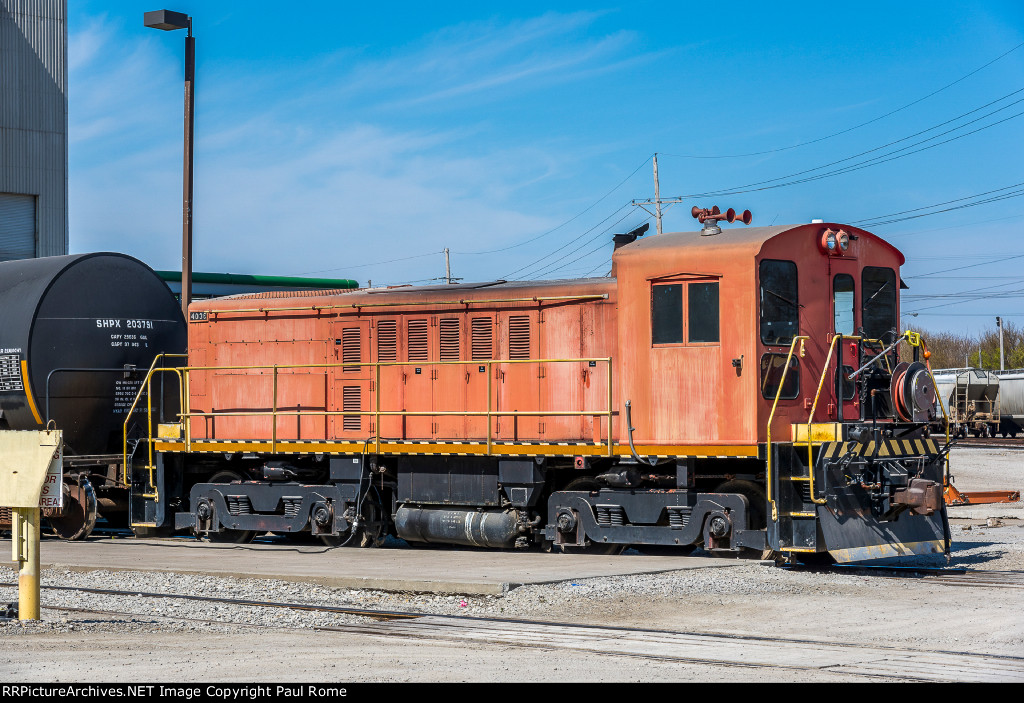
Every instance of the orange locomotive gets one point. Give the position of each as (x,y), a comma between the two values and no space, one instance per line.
(739,390)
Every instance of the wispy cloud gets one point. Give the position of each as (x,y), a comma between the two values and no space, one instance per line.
(284,185)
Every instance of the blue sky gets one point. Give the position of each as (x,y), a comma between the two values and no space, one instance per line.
(331,137)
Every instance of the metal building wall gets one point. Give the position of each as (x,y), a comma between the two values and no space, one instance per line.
(34,113)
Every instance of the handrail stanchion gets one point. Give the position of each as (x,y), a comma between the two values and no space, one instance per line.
(273,417)
(810,418)
(186,409)
(376,398)
(611,408)
(771,416)
(490,385)
(135,402)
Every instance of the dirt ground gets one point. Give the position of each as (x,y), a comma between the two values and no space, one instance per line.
(753,600)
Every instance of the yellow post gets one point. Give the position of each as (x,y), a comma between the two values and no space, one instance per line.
(25,543)
(30,476)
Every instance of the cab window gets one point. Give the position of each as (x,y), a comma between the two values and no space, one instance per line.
(702,299)
(699,324)
(780,306)
(773,373)
(842,301)
(878,311)
(667,314)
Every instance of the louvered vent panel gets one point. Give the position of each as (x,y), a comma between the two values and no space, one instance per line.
(387,340)
(519,337)
(482,336)
(418,340)
(351,400)
(351,349)
(450,350)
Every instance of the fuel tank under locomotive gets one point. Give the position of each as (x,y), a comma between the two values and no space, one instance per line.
(77,335)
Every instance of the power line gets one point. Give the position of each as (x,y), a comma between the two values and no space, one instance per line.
(771,183)
(862,124)
(574,240)
(946,202)
(571,219)
(969,314)
(880,220)
(601,245)
(960,268)
(606,263)
(375,263)
(972,223)
(970,299)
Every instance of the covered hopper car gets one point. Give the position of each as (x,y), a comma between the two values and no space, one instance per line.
(738,390)
(1011,402)
(981,403)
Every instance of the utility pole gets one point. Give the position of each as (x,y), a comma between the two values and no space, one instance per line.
(447,270)
(657,199)
(999,324)
(657,193)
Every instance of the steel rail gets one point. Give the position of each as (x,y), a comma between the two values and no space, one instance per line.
(637,643)
(944,576)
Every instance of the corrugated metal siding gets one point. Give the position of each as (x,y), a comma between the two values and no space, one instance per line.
(33,113)
(17,227)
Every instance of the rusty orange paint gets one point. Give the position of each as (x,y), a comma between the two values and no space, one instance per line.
(680,394)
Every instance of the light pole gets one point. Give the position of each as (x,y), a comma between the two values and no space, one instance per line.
(999,324)
(169,21)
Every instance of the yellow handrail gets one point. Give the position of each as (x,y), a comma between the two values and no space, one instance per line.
(149,413)
(187,414)
(771,416)
(912,338)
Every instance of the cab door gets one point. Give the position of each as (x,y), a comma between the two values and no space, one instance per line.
(845,321)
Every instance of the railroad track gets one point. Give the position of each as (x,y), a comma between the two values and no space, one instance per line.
(947,577)
(850,660)
(991,442)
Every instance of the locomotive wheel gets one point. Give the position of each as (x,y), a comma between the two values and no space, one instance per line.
(78,516)
(229,536)
(758,502)
(371,531)
(589,547)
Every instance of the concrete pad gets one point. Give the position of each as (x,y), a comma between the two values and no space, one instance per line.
(421,570)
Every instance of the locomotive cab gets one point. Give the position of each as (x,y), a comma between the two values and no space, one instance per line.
(838,402)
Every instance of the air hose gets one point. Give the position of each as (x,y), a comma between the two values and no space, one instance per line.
(632,449)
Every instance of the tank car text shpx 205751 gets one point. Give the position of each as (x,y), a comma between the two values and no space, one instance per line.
(737,390)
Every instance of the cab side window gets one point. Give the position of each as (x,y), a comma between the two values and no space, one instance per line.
(699,324)
(703,308)
(667,313)
(878,311)
(779,302)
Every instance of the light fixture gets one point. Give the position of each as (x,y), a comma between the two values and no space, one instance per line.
(835,243)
